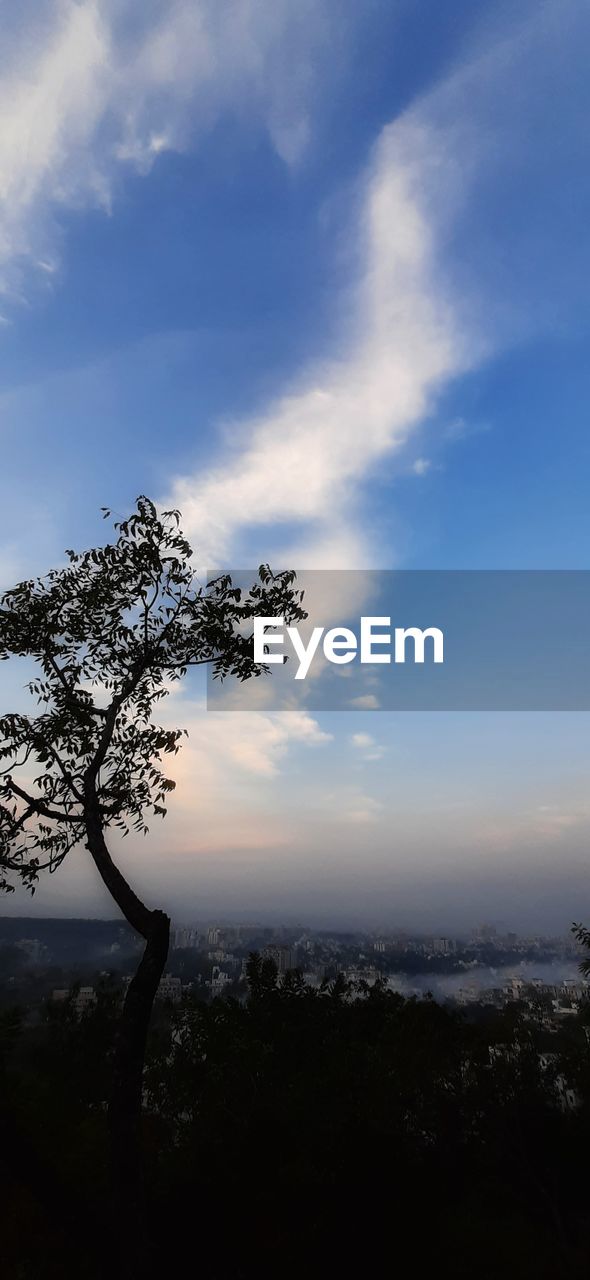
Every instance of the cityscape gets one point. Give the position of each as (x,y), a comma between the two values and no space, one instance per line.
(209,960)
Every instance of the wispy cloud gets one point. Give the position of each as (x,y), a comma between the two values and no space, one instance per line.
(365,744)
(421,466)
(365,702)
(443,279)
(88,87)
(226,775)
(303,459)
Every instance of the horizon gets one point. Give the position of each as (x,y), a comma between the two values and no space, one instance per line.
(501,928)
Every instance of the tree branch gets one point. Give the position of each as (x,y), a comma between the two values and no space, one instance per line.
(17,764)
(71,699)
(191,662)
(38,806)
(61,766)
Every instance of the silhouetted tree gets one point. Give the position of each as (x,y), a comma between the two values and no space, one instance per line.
(582,935)
(109,633)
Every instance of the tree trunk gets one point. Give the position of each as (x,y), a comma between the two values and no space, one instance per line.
(127,1081)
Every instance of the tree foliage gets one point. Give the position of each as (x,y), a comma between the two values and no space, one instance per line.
(110,633)
(582,935)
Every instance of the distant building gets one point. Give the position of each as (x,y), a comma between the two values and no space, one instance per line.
(283,957)
(565,1010)
(219,981)
(469,994)
(312,979)
(185,938)
(443,946)
(369,975)
(169,988)
(213,936)
(82,999)
(486,933)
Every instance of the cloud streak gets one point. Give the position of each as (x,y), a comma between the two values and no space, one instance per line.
(91,87)
(451,265)
(303,459)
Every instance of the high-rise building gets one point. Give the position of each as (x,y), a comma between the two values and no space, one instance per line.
(219,981)
(185,937)
(283,956)
(443,946)
(169,988)
(485,933)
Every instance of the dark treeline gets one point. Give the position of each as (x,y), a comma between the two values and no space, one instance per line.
(69,941)
(302,1133)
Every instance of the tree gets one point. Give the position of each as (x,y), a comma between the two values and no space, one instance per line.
(109,633)
(582,935)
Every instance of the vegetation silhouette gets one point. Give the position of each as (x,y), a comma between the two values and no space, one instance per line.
(109,634)
(303,1131)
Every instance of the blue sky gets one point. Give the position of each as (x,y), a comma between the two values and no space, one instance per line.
(316,272)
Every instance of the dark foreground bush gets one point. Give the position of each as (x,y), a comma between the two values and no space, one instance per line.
(302,1134)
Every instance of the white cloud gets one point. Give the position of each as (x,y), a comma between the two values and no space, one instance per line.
(365,702)
(226,775)
(259,746)
(435,292)
(88,86)
(368,748)
(421,466)
(248,742)
(303,459)
(50,105)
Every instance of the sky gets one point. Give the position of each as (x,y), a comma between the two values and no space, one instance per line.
(315,273)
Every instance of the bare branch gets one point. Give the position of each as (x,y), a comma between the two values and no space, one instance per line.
(17,764)
(37,806)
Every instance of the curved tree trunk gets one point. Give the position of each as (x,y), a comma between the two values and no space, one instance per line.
(127,1081)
